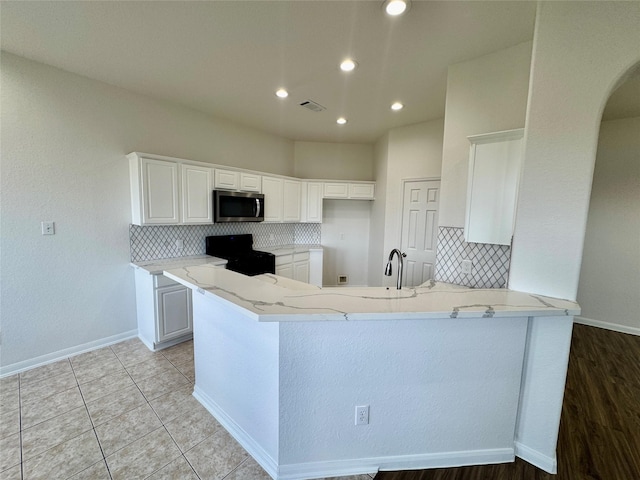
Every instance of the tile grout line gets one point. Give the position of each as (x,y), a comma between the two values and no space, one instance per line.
(84,402)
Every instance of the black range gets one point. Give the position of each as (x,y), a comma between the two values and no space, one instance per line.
(240,255)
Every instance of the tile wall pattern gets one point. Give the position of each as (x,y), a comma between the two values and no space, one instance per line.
(156,242)
(490,262)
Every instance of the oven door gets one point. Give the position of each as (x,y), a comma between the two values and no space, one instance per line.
(237,206)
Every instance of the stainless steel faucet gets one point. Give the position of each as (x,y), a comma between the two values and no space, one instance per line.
(389,270)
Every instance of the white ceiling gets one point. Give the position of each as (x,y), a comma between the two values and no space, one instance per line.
(227,58)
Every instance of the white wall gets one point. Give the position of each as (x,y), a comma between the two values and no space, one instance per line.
(609,286)
(581,50)
(345,239)
(352,161)
(64,138)
(378,211)
(414,151)
(486,94)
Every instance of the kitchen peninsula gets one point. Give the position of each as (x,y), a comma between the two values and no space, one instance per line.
(448,375)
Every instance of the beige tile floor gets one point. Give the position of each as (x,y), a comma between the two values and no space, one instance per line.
(120,412)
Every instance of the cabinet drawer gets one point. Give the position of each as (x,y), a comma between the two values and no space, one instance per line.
(283,259)
(162,281)
(301,257)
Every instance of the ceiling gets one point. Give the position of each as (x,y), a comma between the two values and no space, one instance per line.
(227,58)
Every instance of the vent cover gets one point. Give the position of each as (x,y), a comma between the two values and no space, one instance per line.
(313,106)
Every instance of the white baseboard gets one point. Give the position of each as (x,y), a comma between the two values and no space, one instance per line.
(349,467)
(529,455)
(243,438)
(616,327)
(18,367)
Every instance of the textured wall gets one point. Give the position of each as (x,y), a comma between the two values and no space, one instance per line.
(610,274)
(572,76)
(484,95)
(333,160)
(64,140)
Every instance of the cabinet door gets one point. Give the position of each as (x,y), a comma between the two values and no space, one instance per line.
(314,202)
(336,190)
(196,194)
(291,201)
(301,271)
(285,270)
(249,182)
(272,188)
(160,192)
(492,188)
(364,191)
(174,312)
(227,179)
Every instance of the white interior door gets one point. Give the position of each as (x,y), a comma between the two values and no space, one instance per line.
(420,230)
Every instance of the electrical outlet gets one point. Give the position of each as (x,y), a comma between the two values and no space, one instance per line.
(465,267)
(179,244)
(271,237)
(362,414)
(48,228)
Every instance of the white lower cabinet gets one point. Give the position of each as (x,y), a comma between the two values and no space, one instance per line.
(173,305)
(298,266)
(164,310)
(301,267)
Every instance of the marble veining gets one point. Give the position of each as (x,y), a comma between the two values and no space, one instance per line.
(156,267)
(273,298)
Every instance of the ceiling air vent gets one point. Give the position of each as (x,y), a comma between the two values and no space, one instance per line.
(313,106)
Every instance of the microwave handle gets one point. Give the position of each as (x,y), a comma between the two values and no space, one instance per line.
(257,207)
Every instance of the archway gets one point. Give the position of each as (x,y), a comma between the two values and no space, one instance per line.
(610,273)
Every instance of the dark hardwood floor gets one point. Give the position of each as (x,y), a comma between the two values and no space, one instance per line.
(599,435)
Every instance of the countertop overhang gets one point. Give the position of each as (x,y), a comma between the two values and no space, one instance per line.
(156,267)
(269,298)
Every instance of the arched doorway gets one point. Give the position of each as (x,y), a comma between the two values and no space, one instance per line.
(609,284)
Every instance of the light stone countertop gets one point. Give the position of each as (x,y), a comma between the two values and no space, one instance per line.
(156,267)
(275,299)
(279,250)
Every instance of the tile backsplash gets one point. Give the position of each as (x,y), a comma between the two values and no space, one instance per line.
(156,242)
(490,262)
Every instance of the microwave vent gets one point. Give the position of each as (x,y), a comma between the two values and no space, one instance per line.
(313,106)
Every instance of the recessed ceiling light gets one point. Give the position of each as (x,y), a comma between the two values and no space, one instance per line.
(282,93)
(396,7)
(348,65)
(397,106)
(341,121)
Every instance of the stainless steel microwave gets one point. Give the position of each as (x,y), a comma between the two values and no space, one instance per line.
(237,206)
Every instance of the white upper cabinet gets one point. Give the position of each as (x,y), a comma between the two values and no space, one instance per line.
(273,189)
(155,191)
(291,197)
(492,190)
(351,190)
(227,179)
(336,190)
(365,191)
(196,194)
(172,191)
(311,202)
(250,182)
